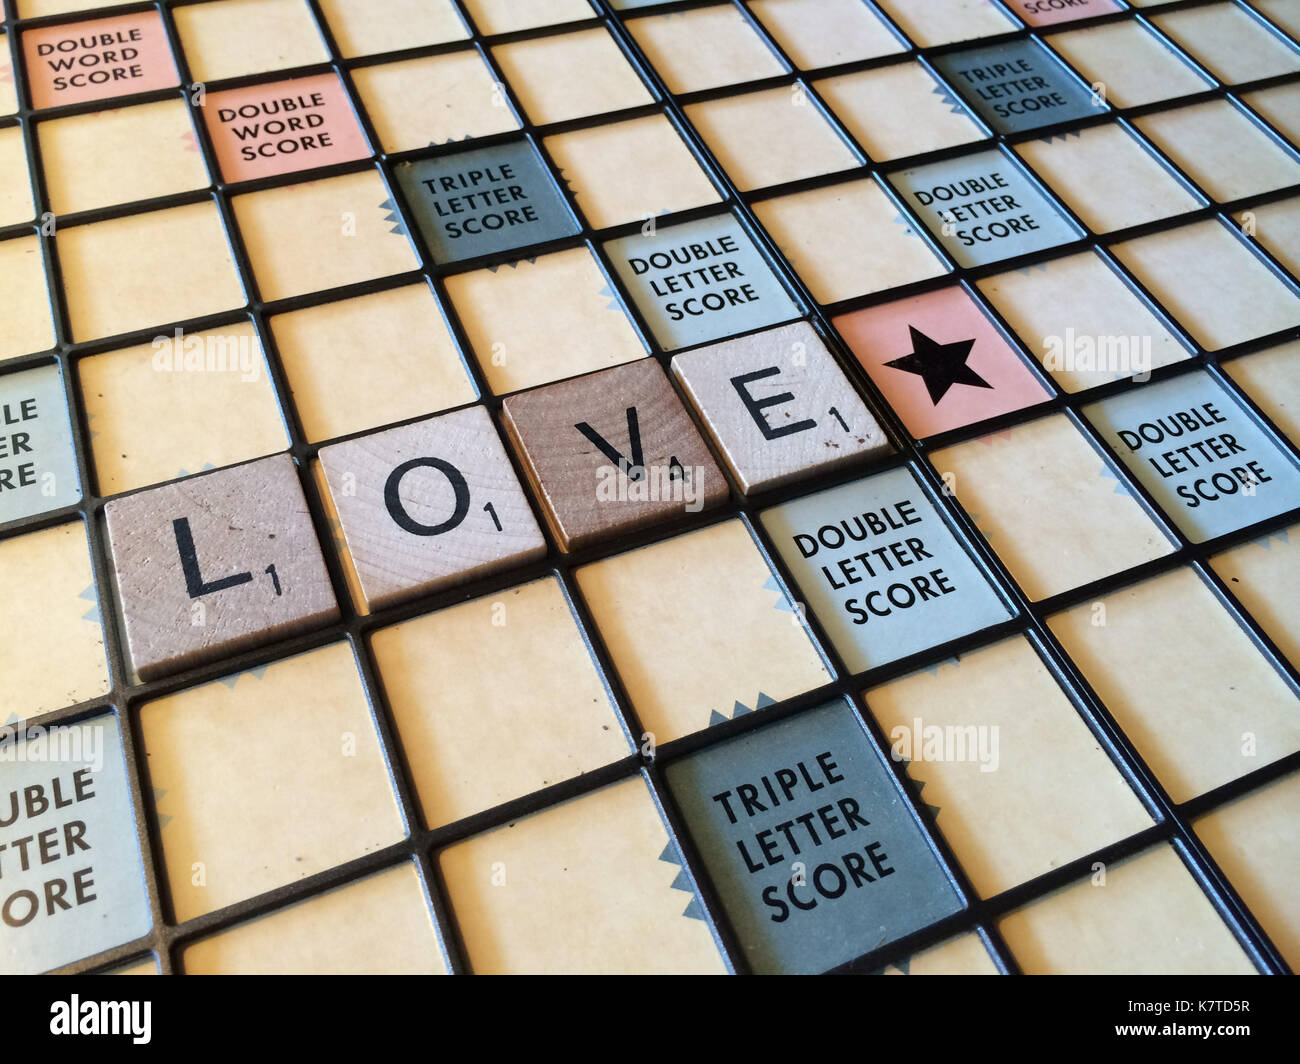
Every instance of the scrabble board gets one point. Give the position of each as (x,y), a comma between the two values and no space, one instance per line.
(649,486)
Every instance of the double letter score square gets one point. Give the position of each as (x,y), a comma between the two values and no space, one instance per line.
(214,565)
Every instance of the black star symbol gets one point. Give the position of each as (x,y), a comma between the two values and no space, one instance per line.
(941,365)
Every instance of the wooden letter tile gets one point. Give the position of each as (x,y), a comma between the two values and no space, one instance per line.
(612,451)
(428,505)
(778,406)
(214,565)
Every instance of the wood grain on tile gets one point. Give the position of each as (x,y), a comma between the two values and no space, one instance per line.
(215,565)
(612,452)
(778,406)
(428,505)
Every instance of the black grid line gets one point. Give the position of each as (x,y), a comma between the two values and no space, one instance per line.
(1172,821)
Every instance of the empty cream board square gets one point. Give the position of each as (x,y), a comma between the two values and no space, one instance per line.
(1215,287)
(368,27)
(1277,227)
(239,818)
(1253,839)
(322,234)
(696,626)
(1221,149)
(147,269)
(116,140)
(16,203)
(26,325)
(1264,576)
(1283,13)
(1147,917)
(1280,106)
(433,100)
(898,110)
(1047,504)
(1272,379)
(945,21)
(770,137)
(592,886)
(152,418)
(370,361)
(630,171)
(571,75)
(1189,688)
(1134,65)
(1047,305)
(822,33)
(51,640)
(231,38)
(1230,43)
(963,955)
(1051,796)
(496,698)
(704,48)
(506,16)
(1108,178)
(539,320)
(845,240)
(379,925)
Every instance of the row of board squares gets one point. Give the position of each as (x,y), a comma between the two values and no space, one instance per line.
(282,126)
(762,138)
(692,50)
(689,282)
(437,502)
(699,625)
(816,852)
(944,361)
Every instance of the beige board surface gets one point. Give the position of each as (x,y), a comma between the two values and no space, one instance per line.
(368,27)
(1253,839)
(231,38)
(1082,321)
(898,110)
(704,48)
(1047,504)
(630,171)
(160,411)
(51,638)
(572,75)
(1108,178)
(542,319)
(696,627)
(116,140)
(1149,918)
(146,270)
(239,817)
(1030,788)
(844,240)
(1211,283)
(1184,681)
(496,698)
(379,925)
(360,363)
(578,888)
(322,234)
(436,99)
